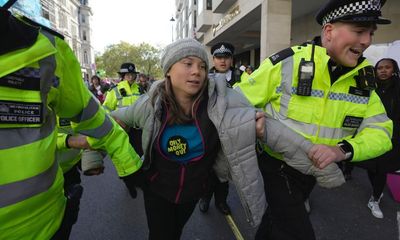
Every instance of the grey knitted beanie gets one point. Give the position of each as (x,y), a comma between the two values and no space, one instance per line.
(180,49)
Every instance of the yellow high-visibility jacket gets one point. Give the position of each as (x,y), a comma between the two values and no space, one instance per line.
(115,99)
(331,114)
(39,80)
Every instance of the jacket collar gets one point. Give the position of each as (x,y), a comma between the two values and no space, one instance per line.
(15,33)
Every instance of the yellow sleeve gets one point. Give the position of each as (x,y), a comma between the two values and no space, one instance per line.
(75,102)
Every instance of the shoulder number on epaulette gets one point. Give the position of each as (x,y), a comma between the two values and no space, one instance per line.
(277,57)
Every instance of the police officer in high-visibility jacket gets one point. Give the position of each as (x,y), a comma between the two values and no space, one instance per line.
(126,91)
(324,91)
(39,78)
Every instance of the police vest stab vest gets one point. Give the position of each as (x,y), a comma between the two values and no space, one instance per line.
(121,95)
(35,82)
(333,112)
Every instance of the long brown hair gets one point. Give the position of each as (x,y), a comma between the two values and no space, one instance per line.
(176,113)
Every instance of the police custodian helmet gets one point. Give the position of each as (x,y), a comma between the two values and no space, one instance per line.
(222,49)
(352,11)
(127,68)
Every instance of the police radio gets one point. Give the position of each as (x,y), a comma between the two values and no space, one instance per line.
(122,91)
(306,75)
(366,78)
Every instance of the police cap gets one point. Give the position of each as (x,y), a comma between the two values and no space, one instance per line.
(127,68)
(222,49)
(352,11)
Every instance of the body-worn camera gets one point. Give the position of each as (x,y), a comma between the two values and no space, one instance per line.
(366,79)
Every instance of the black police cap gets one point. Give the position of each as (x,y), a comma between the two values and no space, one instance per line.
(352,11)
(127,68)
(222,49)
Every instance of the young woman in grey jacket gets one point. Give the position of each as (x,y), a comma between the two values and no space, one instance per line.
(192,124)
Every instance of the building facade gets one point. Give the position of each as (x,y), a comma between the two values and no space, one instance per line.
(259,28)
(72,18)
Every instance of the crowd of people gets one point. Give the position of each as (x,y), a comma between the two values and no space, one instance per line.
(177,139)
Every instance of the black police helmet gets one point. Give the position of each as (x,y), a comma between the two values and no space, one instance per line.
(222,49)
(127,68)
(352,11)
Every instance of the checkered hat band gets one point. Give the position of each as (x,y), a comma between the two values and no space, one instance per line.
(222,51)
(349,9)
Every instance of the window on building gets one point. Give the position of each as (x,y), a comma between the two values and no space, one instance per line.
(63,20)
(84,36)
(195,19)
(200,6)
(209,4)
(194,2)
(85,57)
(84,2)
(83,18)
(190,20)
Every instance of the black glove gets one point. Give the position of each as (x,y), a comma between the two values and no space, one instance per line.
(130,184)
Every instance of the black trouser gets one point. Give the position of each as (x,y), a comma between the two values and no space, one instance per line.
(285,189)
(378,182)
(165,219)
(218,188)
(73,192)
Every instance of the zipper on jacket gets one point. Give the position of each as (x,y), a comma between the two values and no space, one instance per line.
(286,179)
(181,181)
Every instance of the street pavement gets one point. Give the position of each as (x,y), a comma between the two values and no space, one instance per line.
(108,213)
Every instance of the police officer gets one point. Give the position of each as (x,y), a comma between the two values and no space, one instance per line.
(324,91)
(126,91)
(39,77)
(222,53)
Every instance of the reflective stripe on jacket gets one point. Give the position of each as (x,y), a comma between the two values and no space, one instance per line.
(115,99)
(32,201)
(331,114)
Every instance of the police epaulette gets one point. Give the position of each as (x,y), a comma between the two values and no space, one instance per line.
(277,57)
(47,29)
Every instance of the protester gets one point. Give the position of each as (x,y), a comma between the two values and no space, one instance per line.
(41,77)
(144,83)
(387,74)
(312,89)
(249,69)
(98,88)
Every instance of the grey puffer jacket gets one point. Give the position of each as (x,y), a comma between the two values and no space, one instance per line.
(234,120)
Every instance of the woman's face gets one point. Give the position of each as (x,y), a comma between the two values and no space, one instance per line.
(187,76)
(384,70)
(130,77)
(95,81)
